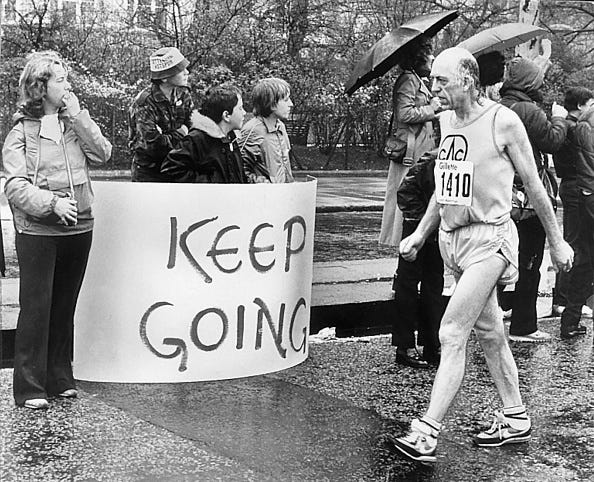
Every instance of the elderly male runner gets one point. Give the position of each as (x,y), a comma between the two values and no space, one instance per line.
(481,144)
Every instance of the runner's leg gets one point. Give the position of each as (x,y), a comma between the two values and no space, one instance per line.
(491,334)
(474,289)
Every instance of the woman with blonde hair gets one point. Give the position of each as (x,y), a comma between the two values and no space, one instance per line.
(46,157)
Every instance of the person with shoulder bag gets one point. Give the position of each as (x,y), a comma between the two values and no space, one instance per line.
(521,90)
(46,157)
(411,130)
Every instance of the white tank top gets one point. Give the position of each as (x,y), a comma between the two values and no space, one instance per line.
(491,170)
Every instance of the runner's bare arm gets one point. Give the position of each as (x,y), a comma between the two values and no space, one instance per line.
(410,246)
(511,136)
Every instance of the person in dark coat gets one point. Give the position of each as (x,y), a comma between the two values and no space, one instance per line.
(418,309)
(159,117)
(209,153)
(521,93)
(580,278)
(577,100)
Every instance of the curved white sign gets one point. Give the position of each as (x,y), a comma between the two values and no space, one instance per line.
(190,282)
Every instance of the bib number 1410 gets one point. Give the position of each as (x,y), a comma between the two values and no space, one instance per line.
(453,182)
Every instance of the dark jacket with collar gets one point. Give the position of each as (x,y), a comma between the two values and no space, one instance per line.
(205,155)
(565,158)
(154,122)
(584,134)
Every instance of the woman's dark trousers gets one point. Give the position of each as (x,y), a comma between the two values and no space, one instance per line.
(418,309)
(51,273)
(531,250)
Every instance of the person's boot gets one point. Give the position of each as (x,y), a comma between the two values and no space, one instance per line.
(410,357)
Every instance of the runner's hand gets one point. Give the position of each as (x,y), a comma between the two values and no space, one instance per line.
(410,246)
(562,257)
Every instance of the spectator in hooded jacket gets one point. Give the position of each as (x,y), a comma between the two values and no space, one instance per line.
(577,100)
(521,92)
(159,117)
(265,145)
(209,153)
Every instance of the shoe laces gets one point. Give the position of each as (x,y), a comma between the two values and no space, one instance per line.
(499,423)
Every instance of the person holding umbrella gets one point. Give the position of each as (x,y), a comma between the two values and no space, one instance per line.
(411,129)
(482,144)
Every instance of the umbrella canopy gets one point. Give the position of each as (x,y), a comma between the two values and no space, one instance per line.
(501,37)
(387,51)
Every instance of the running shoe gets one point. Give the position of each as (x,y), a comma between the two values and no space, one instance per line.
(419,444)
(501,433)
(535,337)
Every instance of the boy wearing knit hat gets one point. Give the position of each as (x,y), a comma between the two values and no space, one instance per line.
(159,117)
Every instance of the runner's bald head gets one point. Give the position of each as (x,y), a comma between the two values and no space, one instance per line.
(460,66)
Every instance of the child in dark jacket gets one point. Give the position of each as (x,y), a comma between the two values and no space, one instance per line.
(418,309)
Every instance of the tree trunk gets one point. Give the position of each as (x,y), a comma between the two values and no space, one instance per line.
(298,26)
(529,13)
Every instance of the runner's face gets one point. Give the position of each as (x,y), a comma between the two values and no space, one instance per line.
(445,84)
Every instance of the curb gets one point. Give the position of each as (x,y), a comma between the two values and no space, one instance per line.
(125,173)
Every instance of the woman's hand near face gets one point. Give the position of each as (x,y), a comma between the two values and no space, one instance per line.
(435,103)
(72,104)
(66,210)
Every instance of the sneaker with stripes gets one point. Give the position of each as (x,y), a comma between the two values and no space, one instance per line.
(420,442)
(507,428)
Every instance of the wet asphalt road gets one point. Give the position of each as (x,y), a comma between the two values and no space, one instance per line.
(323,420)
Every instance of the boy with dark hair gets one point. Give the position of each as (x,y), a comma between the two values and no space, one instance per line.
(577,100)
(265,145)
(160,115)
(209,152)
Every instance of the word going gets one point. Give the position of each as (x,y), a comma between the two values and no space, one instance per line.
(283,339)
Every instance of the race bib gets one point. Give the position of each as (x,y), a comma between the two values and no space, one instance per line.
(453,182)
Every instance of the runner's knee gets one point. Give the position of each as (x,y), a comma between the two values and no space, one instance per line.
(492,334)
(452,336)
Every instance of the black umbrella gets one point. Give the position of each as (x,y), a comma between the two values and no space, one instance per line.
(501,37)
(387,51)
